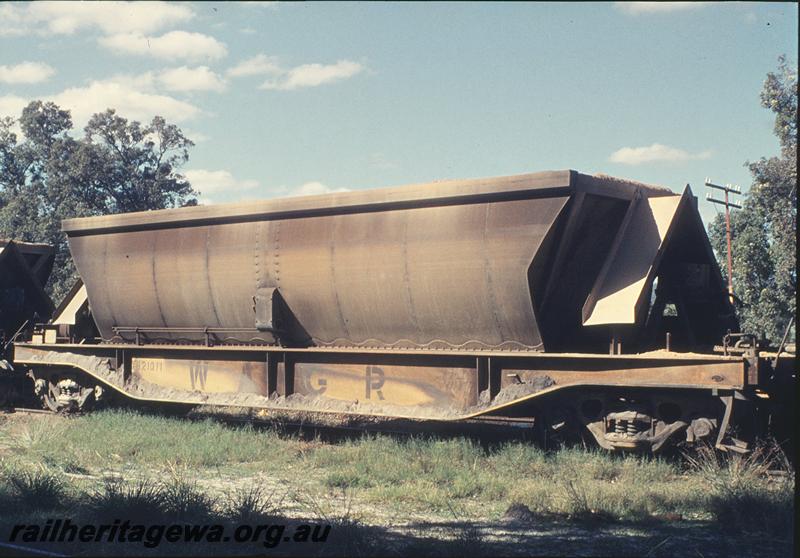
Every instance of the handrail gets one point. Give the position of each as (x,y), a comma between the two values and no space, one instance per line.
(16,334)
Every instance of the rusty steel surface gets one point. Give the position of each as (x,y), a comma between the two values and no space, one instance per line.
(379,352)
(529,262)
(440,276)
(442,192)
(455,264)
(423,386)
(397,385)
(204,375)
(698,374)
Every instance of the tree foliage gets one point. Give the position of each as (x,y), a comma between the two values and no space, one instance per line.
(117,166)
(764,239)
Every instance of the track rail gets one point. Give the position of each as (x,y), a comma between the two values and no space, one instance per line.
(27,411)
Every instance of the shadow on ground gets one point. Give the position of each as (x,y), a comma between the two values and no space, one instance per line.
(351,538)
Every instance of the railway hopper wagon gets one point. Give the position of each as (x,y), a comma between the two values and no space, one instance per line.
(580,304)
(24,270)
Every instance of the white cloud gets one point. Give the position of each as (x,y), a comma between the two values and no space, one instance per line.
(26,72)
(175,45)
(314,189)
(67,18)
(200,78)
(257,65)
(306,75)
(653,154)
(12,105)
(636,8)
(195,136)
(130,103)
(212,183)
(312,75)
(145,82)
(133,96)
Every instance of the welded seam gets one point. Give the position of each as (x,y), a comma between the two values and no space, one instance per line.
(488,274)
(412,311)
(106,291)
(339,312)
(208,277)
(153,277)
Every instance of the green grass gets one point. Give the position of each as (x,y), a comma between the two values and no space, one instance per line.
(127,437)
(251,504)
(751,493)
(32,490)
(433,473)
(139,501)
(121,460)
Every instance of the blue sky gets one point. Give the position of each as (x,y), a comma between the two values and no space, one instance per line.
(302,98)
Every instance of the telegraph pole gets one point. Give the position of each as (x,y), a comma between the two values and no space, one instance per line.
(727,189)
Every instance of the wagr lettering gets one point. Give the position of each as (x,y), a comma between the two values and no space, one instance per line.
(198,372)
(141,365)
(323,385)
(375,380)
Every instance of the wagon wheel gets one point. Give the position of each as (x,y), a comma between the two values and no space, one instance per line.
(47,394)
(66,395)
(557,424)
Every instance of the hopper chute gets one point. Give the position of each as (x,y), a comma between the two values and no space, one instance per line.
(660,238)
